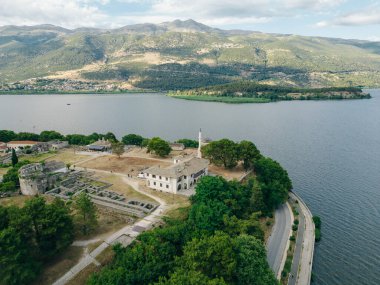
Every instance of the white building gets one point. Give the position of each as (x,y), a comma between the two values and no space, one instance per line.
(16,145)
(182,175)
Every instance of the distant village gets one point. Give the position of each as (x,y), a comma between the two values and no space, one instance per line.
(61,85)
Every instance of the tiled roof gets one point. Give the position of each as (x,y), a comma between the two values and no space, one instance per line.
(22,142)
(188,167)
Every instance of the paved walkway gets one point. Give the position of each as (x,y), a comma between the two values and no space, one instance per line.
(278,242)
(124,236)
(304,251)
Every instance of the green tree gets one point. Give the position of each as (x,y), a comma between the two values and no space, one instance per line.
(248,153)
(7,136)
(52,225)
(24,136)
(76,139)
(188,143)
(85,213)
(145,142)
(159,147)
(190,277)
(251,226)
(214,256)
(274,182)
(222,153)
(132,139)
(111,137)
(252,265)
(117,148)
(14,158)
(17,265)
(257,198)
(208,216)
(46,136)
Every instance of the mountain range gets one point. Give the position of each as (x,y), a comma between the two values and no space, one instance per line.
(183,54)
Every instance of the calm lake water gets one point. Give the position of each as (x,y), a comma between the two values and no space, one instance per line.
(331,150)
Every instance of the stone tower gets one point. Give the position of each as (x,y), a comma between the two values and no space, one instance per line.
(199,144)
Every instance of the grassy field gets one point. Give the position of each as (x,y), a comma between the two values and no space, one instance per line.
(119,186)
(229,100)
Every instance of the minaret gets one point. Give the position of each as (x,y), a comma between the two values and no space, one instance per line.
(199,143)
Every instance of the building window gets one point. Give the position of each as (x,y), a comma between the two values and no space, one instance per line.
(154,183)
(167,186)
(167,179)
(160,177)
(160,184)
(185,177)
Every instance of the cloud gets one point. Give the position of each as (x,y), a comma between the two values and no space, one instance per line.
(92,13)
(367,16)
(67,13)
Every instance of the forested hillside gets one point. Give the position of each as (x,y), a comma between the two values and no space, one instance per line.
(181,55)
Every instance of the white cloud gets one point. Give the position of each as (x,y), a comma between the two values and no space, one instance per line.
(78,13)
(368,16)
(67,13)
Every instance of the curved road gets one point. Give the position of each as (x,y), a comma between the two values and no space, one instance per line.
(278,241)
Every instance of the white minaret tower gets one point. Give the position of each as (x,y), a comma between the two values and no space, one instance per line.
(199,144)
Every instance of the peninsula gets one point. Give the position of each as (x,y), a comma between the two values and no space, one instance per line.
(253,92)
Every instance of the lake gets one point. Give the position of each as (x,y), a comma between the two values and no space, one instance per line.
(331,150)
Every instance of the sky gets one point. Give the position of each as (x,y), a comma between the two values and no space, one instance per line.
(358,19)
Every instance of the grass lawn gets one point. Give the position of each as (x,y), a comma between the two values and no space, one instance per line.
(4,170)
(38,157)
(230,100)
(15,201)
(131,165)
(119,186)
(69,156)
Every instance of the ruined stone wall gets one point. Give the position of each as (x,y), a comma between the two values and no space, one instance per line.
(32,187)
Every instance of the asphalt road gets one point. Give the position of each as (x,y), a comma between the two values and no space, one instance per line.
(276,246)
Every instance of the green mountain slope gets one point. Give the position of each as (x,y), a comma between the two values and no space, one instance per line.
(183,54)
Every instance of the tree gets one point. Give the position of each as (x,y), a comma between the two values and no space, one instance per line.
(222,153)
(159,147)
(76,139)
(86,213)
(214,256)
(23,136)
(132,139)
(208,216)
(52,226)
(111,137)
(248,153)
(46,136)
(7,136)
(14,158)
(252,265)
(257,198)
(251,226)
(274,182)
(188,143)
(191,277)
(118,148)
(145,142)
(17,265)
